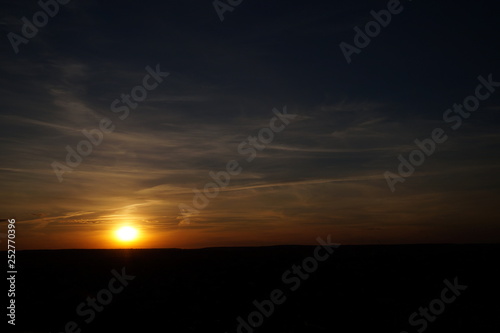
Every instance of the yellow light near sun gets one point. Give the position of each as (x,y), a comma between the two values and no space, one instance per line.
(126,234)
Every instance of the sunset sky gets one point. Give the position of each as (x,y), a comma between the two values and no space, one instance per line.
(322,174)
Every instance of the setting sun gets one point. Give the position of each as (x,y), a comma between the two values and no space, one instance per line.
(126,234)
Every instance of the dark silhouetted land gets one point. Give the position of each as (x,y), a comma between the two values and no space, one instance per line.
(358,289)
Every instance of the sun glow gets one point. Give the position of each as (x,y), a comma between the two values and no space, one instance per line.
(126,234)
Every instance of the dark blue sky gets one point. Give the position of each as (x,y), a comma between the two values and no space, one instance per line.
(325,171)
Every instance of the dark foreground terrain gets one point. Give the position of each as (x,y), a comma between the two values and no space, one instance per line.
(356,289)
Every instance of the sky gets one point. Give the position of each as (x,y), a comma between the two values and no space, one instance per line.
(205,87)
